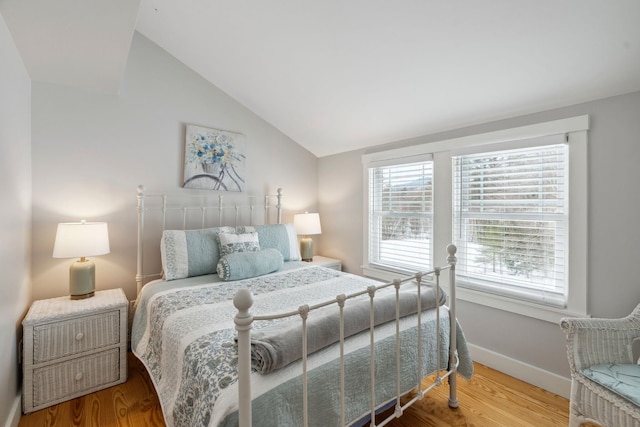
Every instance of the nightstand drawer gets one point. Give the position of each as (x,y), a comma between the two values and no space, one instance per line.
(75,377)
(64,338)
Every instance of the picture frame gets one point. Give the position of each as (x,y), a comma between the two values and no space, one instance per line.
(214,159)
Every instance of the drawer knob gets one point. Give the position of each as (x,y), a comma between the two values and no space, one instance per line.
(79,376)
(79,336)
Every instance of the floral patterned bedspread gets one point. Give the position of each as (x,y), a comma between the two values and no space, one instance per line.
(183,332)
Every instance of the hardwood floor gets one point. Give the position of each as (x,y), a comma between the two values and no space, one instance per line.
(489,399)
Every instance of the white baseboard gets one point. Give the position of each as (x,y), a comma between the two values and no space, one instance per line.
(13,419)
(523,371)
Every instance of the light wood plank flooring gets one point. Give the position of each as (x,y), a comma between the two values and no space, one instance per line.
(489,399)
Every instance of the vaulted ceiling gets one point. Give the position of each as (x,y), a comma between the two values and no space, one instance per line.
(338,75)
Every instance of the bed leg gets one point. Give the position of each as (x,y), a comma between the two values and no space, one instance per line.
(243,320)
(453,344)
(453,394)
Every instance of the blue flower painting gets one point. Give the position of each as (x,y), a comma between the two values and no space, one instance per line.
(214,159)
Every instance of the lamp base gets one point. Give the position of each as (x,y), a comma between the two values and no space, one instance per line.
(306,249)
(82,279)
(89,295)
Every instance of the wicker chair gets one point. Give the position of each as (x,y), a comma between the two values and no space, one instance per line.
(593,342)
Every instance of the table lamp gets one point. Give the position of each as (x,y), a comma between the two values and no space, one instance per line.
(80,240)
(307,224)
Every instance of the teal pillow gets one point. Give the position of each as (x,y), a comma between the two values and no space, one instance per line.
(187,253)
(282,237)
(622,379)
(243,265)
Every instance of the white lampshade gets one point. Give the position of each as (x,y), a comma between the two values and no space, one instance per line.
(80,240)
(307,224)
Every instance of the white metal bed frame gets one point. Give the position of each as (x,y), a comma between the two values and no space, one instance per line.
(243,301)
(243,321)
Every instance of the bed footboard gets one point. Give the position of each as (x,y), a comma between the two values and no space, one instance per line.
(243,301)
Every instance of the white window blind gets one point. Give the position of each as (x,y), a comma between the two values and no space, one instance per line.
(511,222)
(401,216)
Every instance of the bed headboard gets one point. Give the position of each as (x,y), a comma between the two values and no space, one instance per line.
(194,210)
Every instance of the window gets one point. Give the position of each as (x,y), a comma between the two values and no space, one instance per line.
(401,216)
(513,201)
(511,223)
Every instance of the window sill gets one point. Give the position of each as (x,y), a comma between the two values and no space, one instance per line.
(384,275)
(523,308)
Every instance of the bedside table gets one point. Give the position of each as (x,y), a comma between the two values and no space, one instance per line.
(73,347)
(333,263)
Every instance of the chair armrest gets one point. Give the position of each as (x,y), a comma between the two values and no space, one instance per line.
(595,341)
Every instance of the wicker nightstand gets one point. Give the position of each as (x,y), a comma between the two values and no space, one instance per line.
(73,347)
(324,261)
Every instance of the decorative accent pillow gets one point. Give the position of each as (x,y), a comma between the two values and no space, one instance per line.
(282,237)
(186,253)
(244,242)
(243,265)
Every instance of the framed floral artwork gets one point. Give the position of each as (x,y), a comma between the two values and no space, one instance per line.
(214,159)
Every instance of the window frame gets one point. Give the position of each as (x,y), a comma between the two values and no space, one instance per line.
(380,265)
(576,130)
(501,284)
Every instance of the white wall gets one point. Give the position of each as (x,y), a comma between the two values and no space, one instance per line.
(91,150)
(614,229)
(340,200)
(15,218)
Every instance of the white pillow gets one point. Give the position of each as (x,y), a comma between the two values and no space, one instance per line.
(245,242)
